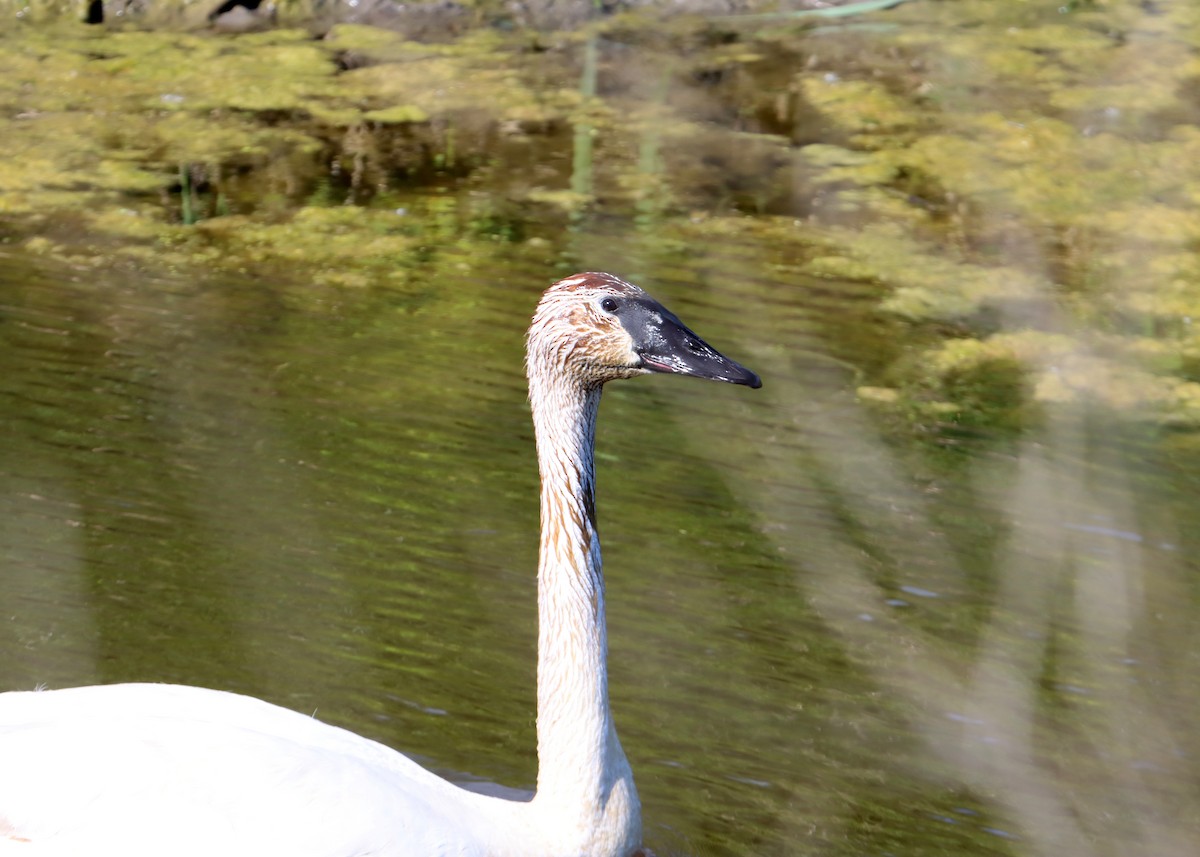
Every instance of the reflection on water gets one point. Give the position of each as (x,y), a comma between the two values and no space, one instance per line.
(835,627)
(338,514)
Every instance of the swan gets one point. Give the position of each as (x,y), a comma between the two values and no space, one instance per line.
(147,770)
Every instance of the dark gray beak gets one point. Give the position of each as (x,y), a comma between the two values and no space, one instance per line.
(666,344)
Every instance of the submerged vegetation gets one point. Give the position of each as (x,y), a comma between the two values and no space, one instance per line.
(1015,183)
(968,223)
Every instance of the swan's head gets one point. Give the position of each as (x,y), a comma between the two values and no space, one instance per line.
(596,327)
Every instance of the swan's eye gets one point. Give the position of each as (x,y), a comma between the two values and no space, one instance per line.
(608,305)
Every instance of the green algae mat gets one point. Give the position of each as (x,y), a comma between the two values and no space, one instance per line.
(1017,182)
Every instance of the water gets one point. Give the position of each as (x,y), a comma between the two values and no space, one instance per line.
(902,600)
(337,513)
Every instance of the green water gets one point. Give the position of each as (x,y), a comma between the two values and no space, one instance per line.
(929,591)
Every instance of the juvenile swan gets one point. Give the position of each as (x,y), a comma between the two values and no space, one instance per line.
(153,770)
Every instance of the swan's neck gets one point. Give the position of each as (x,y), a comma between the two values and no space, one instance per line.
(581,767)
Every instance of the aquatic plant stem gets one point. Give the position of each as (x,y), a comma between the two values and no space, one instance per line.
(846,11)
(186,212)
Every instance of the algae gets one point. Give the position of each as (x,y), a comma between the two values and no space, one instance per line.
(1040,173)
(863,110)
(982,170)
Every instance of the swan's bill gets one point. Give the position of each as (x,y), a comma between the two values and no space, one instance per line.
(666,344)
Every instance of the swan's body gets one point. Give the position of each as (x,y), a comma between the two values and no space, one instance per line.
(146,770)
